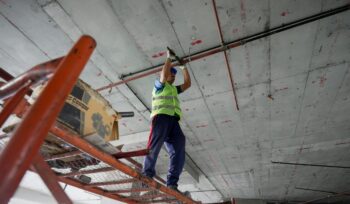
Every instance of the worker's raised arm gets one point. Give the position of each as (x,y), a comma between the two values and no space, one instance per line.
(166,68)
(187,78)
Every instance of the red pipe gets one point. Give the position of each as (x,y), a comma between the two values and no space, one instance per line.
(50,179)
(236,43)
(225,54)
(186,60)
(28,137)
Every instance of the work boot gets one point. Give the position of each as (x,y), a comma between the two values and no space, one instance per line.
(174,188)
(186,193)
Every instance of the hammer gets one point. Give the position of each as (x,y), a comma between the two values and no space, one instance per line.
(176,57)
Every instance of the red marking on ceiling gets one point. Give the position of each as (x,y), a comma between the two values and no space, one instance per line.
(322,81)
(159,54)
(243,16)
(200,126)
(284,13)
(196,42)
(226,121)
(235,30)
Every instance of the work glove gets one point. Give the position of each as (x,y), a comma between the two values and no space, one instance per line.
(170,55)
(182,67)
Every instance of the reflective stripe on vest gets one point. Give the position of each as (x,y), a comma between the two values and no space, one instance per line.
(163,97)
(166,101)
(164,106)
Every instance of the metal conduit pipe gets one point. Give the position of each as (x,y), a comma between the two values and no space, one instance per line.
(225,55)
(220,48)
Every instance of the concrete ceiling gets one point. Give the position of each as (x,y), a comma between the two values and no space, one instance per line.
(305,70)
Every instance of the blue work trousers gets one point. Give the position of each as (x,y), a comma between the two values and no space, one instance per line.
(166,129)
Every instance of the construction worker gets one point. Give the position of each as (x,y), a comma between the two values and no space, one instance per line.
(166,113)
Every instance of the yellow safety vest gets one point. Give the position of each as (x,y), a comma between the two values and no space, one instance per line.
(166,101)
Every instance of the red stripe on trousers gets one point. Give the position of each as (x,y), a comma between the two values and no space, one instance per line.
(150,135)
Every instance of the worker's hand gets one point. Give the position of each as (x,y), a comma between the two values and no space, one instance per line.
(182,67)
(170,55)
(181,61)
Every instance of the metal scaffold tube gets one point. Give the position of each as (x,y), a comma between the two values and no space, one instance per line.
(27,138)
(50,179)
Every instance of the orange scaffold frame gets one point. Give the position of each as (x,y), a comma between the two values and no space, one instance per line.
(22,151)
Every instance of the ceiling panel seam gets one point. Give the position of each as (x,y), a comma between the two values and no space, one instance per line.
(127,31)
(288,185)
(25,35)
(303,137)
(72,40)
(107,61)
(247,59)
(334,101)
(70,37)
(268,17)
(172,26)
